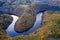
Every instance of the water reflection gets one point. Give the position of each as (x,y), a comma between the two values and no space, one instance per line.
(11,32)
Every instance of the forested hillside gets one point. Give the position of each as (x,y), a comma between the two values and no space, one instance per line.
(49,30)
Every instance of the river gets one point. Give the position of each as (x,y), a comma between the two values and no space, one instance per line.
(11,32)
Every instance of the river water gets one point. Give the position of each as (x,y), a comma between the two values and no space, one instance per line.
(11,32)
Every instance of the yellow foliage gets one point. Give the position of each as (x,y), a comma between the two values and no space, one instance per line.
(58,33)
(41,33)
(42,37)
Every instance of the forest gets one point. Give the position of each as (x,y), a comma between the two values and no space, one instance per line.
(49,30)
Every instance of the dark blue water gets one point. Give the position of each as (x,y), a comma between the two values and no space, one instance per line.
(11,32)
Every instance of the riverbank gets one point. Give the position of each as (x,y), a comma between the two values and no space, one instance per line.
(42,32)
(11,32)
(39,34)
